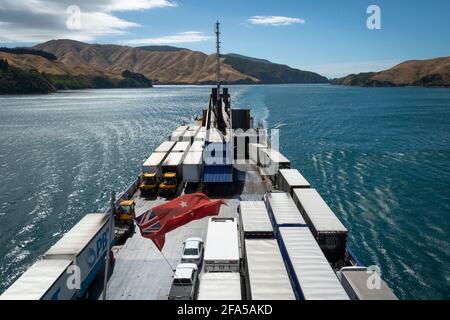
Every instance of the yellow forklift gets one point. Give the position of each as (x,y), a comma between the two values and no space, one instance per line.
(124,221)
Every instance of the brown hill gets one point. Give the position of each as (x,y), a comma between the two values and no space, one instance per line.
(425,73)
(182,66)
(171,65)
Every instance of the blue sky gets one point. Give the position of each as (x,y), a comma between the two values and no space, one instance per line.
(329,37)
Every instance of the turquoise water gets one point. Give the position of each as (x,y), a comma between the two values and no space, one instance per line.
(379,156)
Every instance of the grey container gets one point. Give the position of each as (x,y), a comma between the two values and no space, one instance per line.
(267,277)
(282,210)
(329,232)
(313,277)
(363,284)
(255,220)
(288,179)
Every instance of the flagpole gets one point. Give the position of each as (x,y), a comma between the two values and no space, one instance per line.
(111,230)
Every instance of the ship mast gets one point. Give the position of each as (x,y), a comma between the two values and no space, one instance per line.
(218,59)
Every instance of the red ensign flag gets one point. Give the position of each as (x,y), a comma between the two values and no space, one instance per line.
(155,223)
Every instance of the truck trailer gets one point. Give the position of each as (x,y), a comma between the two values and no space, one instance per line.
(329,232)
(266,274)
(312,275)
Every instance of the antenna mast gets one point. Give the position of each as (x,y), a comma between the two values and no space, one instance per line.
(218,59)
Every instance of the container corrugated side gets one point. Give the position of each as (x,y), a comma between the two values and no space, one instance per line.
(154,162)
(181,146)
(283,210)
(224,286)
(290,179)
(166,146)
(192,167)
(313,276)
(44,280)
(267,277)
(317,211)
(255,219)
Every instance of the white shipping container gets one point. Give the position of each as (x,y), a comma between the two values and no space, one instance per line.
(182,128)
(166,146)
(188,136)
(177,135)
(288,179)
(192,167)
(271,157)
(174,159)
(224,286)
(318,212)
(45,280)
(283,210)
(201,134)
(197,146)
(312,274)
(255,150)
(267,277)
(153,163)
(255,219)
(222,246)
(86,244)
(181,146)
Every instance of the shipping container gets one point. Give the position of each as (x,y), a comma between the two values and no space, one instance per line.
(188,136)
(329,232)
(255,220)
(44,280)
(173,163)
(255,151)
(201,134)
(182,128)
(177,135)
(266,274)
(225,286)
(153,163)
(312,275)
(194,128)
(282,210)
(86,244)
(165,147)
(222,246)
(197,146)
(270,157)
(193,167)
(355,281)
(288,179)
(181,146)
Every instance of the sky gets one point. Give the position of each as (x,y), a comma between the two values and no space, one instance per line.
(326,36)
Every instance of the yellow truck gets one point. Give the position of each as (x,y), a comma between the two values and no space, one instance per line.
(149,183)
(171,174)
(124,221)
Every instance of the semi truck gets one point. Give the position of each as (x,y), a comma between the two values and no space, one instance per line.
(222,246)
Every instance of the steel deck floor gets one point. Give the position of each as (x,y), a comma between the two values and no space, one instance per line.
(141,272)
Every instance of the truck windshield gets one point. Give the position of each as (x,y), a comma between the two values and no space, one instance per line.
(171,182)
(191,252)
(149,180)
(182,282)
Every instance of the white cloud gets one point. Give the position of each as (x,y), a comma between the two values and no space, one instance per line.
(274,20)
(126,5)
(184,37)
(32,21)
